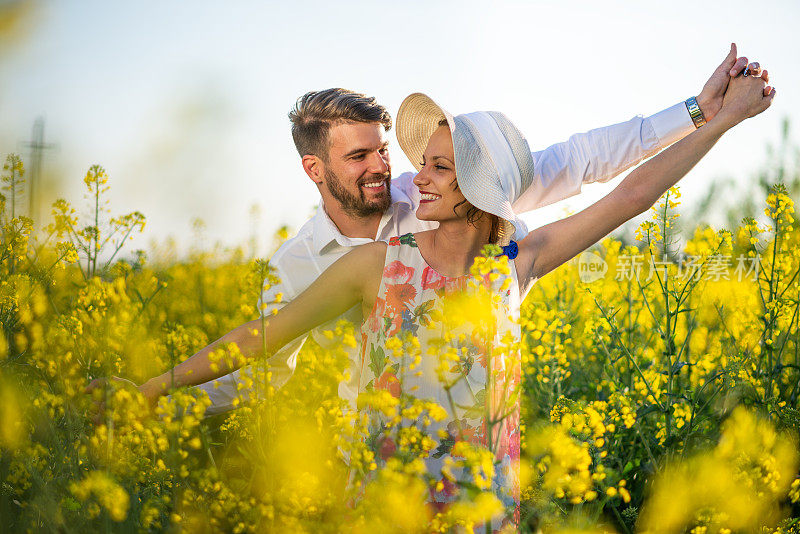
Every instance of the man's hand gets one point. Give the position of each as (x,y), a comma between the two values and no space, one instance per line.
(710,98)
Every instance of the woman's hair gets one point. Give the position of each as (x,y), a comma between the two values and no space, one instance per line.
(474,214)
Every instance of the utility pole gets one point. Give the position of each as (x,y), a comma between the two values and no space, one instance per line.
(37,147)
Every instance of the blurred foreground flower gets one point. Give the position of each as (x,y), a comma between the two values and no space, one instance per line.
(740,485)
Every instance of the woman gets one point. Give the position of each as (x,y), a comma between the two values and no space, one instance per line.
(471,167)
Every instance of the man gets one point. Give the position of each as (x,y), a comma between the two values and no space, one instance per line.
(340,136)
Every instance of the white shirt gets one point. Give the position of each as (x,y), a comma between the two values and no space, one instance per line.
(559,172)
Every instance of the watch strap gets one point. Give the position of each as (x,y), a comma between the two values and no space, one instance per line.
(694,112)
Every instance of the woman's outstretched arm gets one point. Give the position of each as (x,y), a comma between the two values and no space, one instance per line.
(353,278)
(547,247)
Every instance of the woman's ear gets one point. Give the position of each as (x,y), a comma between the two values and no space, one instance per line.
(314,167)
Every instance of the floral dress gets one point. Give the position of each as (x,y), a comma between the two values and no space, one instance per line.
(443,340)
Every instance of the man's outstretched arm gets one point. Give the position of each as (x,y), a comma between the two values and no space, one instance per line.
(603,153)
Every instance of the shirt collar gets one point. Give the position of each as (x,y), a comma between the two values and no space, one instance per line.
(326,232)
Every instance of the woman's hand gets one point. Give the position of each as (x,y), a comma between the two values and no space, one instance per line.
(710,98)
(151,392)
(145,390)
(746,97)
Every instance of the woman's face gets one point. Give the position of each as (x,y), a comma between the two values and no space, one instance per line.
(436,180)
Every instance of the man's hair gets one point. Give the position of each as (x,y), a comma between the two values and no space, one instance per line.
(316,111)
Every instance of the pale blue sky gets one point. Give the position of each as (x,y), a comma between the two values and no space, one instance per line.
(185,104)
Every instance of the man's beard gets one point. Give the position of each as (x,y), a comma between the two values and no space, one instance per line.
(357,205)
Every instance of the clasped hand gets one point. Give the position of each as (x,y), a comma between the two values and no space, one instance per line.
(746,97)
(711,97)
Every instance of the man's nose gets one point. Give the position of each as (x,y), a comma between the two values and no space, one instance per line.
(380,164)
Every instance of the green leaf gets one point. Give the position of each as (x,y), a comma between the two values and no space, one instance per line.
(444,446)
(377,360)
(627,468)
(424,308)
(477,409)
(409,240)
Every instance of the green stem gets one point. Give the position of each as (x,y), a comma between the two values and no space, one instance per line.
(633,362)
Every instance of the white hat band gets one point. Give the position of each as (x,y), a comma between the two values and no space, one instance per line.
(499,151)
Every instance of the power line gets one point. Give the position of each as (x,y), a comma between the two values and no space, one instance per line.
(37,146)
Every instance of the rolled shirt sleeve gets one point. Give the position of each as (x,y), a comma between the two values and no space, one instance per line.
(601,154)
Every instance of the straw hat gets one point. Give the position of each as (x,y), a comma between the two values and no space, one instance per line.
(494,165)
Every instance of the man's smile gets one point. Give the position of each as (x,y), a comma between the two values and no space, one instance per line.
(375,185)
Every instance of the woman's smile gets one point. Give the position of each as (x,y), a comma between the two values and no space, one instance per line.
(426,197)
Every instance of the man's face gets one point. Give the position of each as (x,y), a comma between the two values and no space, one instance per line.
(358,171)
